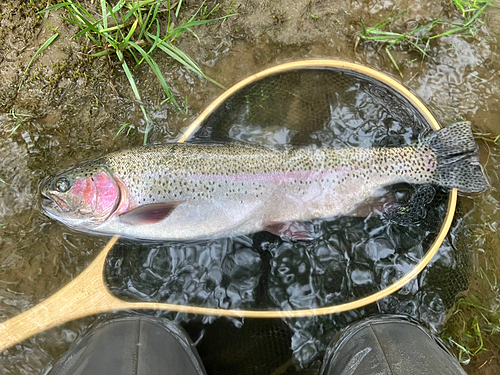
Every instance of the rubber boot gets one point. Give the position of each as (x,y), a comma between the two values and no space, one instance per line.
(388,346)
(132,346)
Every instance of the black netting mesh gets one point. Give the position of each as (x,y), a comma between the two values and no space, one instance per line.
(349,257)
(327,107)
(253,347)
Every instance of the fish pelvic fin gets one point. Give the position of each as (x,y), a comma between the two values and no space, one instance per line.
(291,230)
(149,214)
(457,159)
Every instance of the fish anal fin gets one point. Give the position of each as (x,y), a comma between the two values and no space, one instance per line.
(292,230)
(149,214)
(371,206)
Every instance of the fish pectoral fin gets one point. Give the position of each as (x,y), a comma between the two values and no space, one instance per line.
(149,213)
(292,230)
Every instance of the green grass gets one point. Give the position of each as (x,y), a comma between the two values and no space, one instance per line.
(16,120)
(122,128)
(468,318)
(473,327)
(471,9)
(419,39)
(488,137)
(44,46)
(133,29)
(474,320)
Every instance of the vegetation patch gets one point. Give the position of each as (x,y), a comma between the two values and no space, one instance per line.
(473,322)
(419,38)
(136,29)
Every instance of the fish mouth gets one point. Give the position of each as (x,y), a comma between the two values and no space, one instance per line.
(53,202)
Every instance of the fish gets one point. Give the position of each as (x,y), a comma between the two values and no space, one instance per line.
(192,191)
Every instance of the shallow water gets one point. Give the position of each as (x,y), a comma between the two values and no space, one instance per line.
(40,256)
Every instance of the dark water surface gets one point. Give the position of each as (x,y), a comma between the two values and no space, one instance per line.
(348,258)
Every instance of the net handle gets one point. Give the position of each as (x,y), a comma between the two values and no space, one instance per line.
(87,294)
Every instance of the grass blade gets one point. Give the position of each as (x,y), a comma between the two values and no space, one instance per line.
(136,93)
(129,76)
(104,17)
(14,130)
(130,33)
(121,129)
(113,15)
(54,7)
(419,39)
(184,59)
(127,28)
(156,70)
(102,53)
(178,8)
(393,61)
(47,43)
(476,15)
(153,19)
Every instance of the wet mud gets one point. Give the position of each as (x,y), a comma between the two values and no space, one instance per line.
(69,106)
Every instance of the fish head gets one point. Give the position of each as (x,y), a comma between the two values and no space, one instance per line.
(82,197)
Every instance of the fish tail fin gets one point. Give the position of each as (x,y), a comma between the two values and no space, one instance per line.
(457,159)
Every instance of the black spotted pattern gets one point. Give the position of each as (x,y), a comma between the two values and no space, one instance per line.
(176,172)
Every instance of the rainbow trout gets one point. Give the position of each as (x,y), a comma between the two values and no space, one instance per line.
(200,191)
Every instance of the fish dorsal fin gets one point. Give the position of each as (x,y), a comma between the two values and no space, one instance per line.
(149,214)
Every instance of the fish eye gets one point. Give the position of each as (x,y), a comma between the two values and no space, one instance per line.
(62,184)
